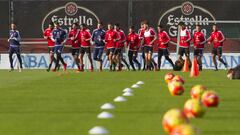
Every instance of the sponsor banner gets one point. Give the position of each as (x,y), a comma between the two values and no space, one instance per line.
(205,13)
(70,13)
(32,17)
(41,61)
(189,13)
(66,13)
(168,13)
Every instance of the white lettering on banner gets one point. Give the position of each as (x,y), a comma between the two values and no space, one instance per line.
(41,61)
(68,21)
(174,20)
(188,13)
(70,13)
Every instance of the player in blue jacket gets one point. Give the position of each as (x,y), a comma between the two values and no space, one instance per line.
(59,36)
(98,37)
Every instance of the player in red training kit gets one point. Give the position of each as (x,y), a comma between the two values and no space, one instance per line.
(84,37)
(47,35)
(149,38)
(133,42)
(163,40)
(217,38)
(118,53)
(199,40)
(184,44)
(111,38)
(141,34)
(75,45)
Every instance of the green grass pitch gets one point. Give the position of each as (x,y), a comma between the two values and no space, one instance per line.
(36,102)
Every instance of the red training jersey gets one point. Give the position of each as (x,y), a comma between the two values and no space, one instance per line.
(121,39)
(199,40)
(217,38)
(133,41)
(84,37)
(163,39)
(185,38)
(111,37)
(73,38)
(141,33)
(149,36)
(48,33)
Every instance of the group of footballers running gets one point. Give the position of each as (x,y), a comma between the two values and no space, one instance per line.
(114,40)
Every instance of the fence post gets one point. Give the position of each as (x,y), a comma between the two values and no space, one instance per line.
(11,12)
(130,2)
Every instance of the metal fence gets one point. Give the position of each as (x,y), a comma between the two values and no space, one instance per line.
(32,16)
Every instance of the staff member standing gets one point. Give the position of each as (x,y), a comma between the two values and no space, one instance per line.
(14,46)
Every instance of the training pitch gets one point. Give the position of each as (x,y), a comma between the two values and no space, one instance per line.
(36,102)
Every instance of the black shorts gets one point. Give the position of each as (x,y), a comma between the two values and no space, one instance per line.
(132,54)
(118,51)
(110,51)
(143,53)
(84,50)
(162,52)
(148,49)
(58,49)
(50,49)
(217,51)
(13,50)
(198,52)
(75,51)
(182,51)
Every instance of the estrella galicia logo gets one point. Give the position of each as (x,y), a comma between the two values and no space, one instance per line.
(71,8)
(187,8)
(71,13)
(188,13)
